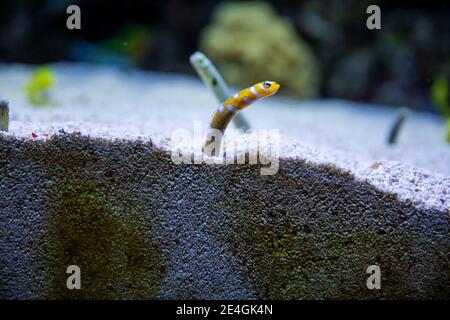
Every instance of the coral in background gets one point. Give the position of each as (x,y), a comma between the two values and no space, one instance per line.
(440,97)
(37,88)
(447,133)
(4,115)
(250,42)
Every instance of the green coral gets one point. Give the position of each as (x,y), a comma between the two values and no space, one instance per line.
(250,43)
(447,131)
(440,97)
(37,88)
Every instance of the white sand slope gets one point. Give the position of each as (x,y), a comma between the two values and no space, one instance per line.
(141,226)
(105,102)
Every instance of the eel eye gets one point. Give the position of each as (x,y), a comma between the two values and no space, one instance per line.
(267,84)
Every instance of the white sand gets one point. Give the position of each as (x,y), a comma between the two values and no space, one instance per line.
(105,102)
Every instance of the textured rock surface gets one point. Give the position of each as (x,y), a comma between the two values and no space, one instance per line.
(141,227)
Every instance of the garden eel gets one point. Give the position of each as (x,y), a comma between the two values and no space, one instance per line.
(222,117)
(214,81)
(396,127)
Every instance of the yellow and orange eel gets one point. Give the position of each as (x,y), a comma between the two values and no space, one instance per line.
(222,117)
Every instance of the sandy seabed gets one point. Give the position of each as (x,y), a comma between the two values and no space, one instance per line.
(96,186)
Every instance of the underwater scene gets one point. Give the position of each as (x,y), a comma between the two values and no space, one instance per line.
(224,150)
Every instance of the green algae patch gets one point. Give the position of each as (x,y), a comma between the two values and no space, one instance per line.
(38,87)
(301,237)
(107,239)
(291,262)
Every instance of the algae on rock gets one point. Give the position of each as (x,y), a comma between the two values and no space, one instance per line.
(250,43)
(115,257)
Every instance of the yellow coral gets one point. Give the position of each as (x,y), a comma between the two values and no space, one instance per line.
(37,87)
(250,42)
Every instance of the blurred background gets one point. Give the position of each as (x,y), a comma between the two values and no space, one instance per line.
(316,49)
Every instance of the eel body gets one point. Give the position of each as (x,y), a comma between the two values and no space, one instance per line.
(227,110)
(214,81)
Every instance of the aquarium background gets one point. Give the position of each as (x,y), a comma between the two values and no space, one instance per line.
(407,62)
